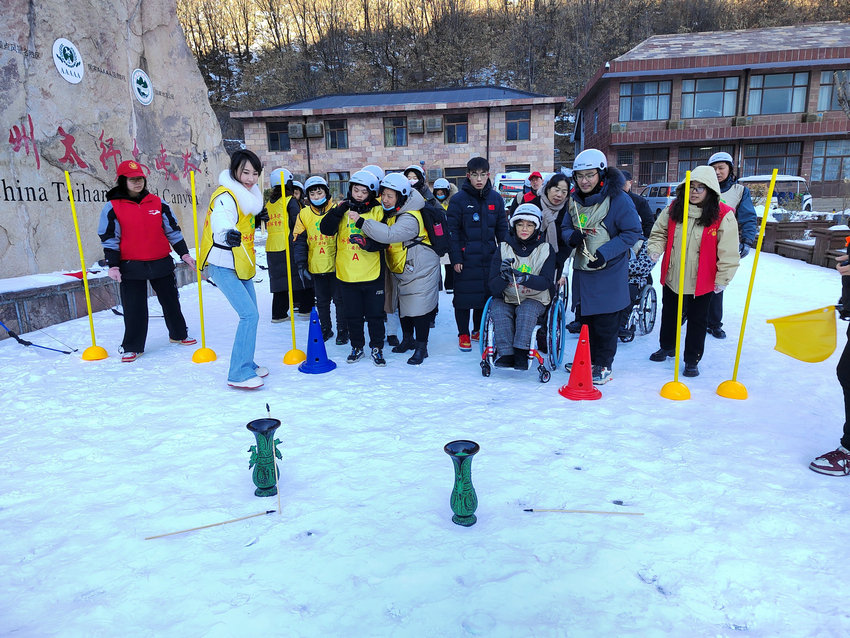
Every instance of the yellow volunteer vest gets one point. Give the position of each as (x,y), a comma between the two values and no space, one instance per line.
(278,225)
(397,252)
(321,249)
(354,264)
(244,260)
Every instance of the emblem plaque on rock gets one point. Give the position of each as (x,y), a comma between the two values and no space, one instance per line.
(68,60)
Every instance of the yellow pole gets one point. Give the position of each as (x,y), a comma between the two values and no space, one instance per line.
(202,354)
(294,356)
(675,390)
(94,352)
(732,389)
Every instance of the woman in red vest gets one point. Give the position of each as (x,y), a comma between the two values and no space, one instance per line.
(710,262)
(137,230)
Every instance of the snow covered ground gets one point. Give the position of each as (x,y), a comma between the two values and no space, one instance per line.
(738,537)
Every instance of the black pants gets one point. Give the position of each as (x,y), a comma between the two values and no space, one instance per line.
(364,301)
(695,311)
(449,280)
(303,300)
(602,335)
(462,320)
(419,326)
(134,298)
(715,310)
(326,287)
(843,371)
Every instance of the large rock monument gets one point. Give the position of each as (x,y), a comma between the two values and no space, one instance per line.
(85,84)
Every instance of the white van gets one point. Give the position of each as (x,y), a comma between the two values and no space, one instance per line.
(788,187)
(509,184)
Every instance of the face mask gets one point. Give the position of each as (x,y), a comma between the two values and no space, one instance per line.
(318,202)
(441,197)
(387,208)
(412,180)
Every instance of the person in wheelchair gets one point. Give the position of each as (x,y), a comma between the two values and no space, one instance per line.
(640,275)
(522,276)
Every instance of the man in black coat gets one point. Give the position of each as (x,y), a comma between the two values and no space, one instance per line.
(477,223)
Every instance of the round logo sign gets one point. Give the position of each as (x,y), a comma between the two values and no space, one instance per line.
(68,60)
(141,86)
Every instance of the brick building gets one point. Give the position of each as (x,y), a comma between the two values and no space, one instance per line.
(336,135)
(766,96)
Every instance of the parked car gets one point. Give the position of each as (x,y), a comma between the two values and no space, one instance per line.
(790,191)
(509,184)
(660,195)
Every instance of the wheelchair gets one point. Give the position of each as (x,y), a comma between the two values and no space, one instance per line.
(641,320)
(554,320)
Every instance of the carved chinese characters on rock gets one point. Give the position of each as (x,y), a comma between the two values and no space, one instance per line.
(19,138)
(71,156)
(137,155)
(108,152)
(162,163)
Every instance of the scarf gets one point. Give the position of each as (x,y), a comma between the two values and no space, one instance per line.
(549,227)
(250,201)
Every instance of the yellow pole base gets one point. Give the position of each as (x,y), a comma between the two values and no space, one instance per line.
(203,355)
(675,391)
(94,353)
(294,357)
(732,390)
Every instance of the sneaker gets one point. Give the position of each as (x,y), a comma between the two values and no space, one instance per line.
(464,343)
(327,334)
(249,384)
(378,357)
(341,338)
(601,375)
(717,333)
(393,341)
(281,319)
(506,361)
(691,370)
(574,327)
(261,371)
(626,334)
(835,463)
(568,367)
(129,357)
(475,336)
(662,354)
(356,355)
(188,341)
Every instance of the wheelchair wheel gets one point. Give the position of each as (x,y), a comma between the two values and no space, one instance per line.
(485,369)
(556,329)
(543,374)
(486,336)
(647,309)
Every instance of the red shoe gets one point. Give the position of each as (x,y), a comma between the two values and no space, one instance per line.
(835,463)
(475,335)
(463,343)
(129,357)
(188,341)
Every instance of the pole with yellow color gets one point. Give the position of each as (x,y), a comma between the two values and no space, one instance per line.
(93,352)
(294,356)
(675,390)
(202,354)
(733,389)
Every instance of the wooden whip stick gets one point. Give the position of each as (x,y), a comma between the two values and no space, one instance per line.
(193,529)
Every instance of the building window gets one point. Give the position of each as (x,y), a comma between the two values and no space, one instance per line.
(595,121)
(641,101)
(395,131)
(278,133)
(336,134)
(625,158)
(456,175)
(457,128)
(517,168)
(692,156)
(709,97)
(828,95)
(517,125)
(778,93)
(831,161)
(761,159)
(338,184)
(653,165)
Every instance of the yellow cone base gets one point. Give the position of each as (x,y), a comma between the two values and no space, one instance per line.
(732,390)
(294,357)
(94,353)
(203,355)
(675,391)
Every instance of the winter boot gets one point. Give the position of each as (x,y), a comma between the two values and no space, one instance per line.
(505,361)
(405,344)
(420,353)
(520,359)
(392,340)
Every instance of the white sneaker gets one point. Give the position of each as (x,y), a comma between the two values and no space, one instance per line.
(261,371)
(249,384)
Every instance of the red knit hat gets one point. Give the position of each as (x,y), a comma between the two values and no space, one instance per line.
(130,168)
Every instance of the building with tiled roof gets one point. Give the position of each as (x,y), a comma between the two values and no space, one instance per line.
(766,96)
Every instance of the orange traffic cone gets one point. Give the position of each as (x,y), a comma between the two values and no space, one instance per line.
(580,386)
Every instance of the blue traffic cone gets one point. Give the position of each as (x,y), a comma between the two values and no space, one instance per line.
(317,360)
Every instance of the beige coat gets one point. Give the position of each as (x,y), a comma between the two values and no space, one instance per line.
(727,249)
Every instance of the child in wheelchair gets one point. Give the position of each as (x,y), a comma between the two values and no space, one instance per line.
(522,276)
(640,276)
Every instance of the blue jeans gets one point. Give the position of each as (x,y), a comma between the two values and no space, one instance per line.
(242,297)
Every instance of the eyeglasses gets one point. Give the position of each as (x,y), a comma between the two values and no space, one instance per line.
(479,175)
(699,188)
(584,177)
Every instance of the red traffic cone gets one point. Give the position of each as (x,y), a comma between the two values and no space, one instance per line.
(580,386)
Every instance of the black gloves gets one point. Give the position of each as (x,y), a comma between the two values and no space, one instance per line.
(343,206)
(744,248)
(506,269)
(360,240)
(233,238)
(598,262)
(576,238)
(262,216)
(521,277)
(304,275)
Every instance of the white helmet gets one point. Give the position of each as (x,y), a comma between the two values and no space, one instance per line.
(316,180)
(397,182)
(720,157)
(589,159)
(297,184)
(278,175)
(367,179)
(442,183)
(417,169)
(529,213)
(377,171)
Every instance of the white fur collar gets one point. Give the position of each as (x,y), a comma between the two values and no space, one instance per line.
(250,201)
